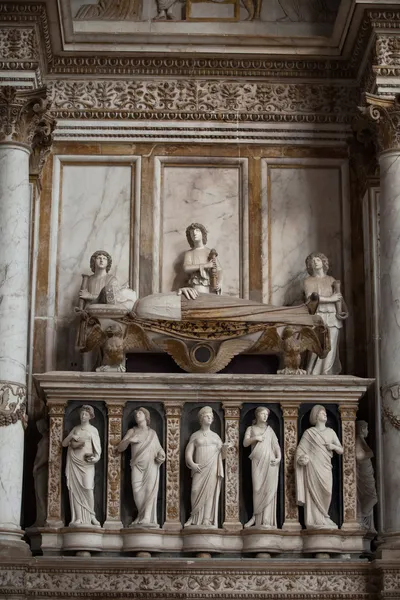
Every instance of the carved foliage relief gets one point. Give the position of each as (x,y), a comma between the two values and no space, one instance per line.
(290,445)
(18,43)
(173,420)
(348,415)
(12,403)
(232,415)
(114,462)
(56,414)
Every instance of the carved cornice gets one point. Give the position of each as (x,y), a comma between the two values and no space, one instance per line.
(201,100)
(385,115)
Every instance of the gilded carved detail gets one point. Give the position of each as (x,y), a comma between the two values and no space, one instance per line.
(56,414)
(115,413)
(290,415)
(232,415)
(348,417)
(21,113)
(12,403)
(173,425)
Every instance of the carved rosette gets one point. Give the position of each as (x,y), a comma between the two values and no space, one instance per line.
(385,115)
(232,418)
(173,412)
(290,417)
(22,114)
(12,403)
(54,513)
(348,416)
(115,413)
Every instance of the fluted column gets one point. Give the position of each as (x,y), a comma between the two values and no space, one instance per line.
(290,414)
(385,114)
(56,433)
(22,114)
(173,411)
(232,418)
(113,505)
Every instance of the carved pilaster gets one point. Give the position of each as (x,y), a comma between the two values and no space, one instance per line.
(21,111)
(12,403)
(173,412)
(385,115)
(348,416)
(290,417)
(113,504)
(54,509)
(232,417)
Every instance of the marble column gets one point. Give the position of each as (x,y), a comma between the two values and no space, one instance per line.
(114,458)
(21,115)
(290,414)
(232,418)
(173,411)
(385,114)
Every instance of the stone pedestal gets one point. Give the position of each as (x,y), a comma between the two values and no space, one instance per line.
(21,113)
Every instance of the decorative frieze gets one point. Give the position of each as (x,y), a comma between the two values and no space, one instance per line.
(348,416)
(113,503)
(12,403)
(18,43)
(232,482)
(54,510)
(173,412)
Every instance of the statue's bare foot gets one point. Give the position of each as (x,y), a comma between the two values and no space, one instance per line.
(161,16)
(94,521)
(250,523)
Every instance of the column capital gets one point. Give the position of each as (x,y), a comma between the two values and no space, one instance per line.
(384,113)
(232,409)
(348,412)
(25,119)
(12,403)
(173,408)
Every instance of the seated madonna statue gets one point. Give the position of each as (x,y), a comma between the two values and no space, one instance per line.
(102,287)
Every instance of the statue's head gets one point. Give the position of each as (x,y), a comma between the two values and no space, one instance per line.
(315,261)
(362,428)
(142,414)
(42,426)
(86,412)
(190,233)
(95,257)
(318,413)
(261,414)
(206,415)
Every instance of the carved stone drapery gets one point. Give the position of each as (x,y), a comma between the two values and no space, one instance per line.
(348,417)
(173,412)
(290,418)
(232,483)
(113,503)
(54,509)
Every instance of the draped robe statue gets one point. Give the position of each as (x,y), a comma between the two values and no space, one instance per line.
(147,456)
(84,450)
(265,457)
(366,487)
(313,462)
(204,454)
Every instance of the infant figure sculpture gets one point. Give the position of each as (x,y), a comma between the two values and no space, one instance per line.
(313,464)
(200,263)
(147,455)
(84,451)
(265,458)
(331,308)
(204,455)
(40,473)
(366,488)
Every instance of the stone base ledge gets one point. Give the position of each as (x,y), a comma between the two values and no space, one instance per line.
(197,579)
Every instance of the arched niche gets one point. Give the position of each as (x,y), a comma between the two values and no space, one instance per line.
(71,419)
(332,412)
(190,424)
(246,485)
(128,508)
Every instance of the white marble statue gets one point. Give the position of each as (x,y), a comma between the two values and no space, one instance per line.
(204,455)
(165,9)
(102,287)
(366,488)
(84,451)
(201,264)
(331,309)
(265,458)
(40,473)
(146,457)
(313,463)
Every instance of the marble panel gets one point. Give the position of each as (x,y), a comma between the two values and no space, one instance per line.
(213,193)
(93,210)
(302,212)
